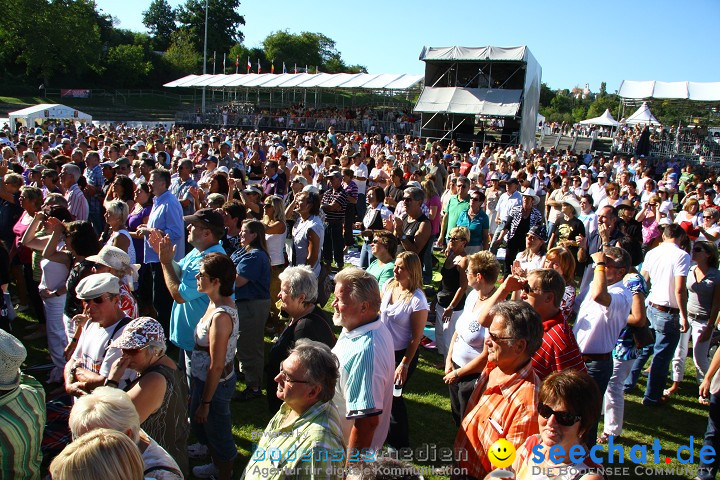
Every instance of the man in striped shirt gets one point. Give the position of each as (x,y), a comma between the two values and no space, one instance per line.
(77,203)
(559,350)
(22,414)
(504,403)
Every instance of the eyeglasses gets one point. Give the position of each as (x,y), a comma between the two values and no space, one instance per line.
(528,289)
(407,199)
(201,275)
(97,300)
(497,338)
(476,199)
(287,379)
(456,239)
(566,419)
(698,250)
(707,218)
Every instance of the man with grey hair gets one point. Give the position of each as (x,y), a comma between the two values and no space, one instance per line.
(306,430)
(363,395)
(183,184)
(77,203)
(514,335)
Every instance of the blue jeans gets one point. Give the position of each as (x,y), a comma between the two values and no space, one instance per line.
(638,367)
(366,256)
(217,431)
(712,438)
(600,371)
(667,336)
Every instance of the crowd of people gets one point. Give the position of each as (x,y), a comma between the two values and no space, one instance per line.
(156,261)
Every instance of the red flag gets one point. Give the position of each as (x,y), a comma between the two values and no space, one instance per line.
(249,65)
(272,68)
(259,68)
(237,63)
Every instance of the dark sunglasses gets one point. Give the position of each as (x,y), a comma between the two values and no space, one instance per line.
(698,249)
(497,338)
(97,300)
(566,419)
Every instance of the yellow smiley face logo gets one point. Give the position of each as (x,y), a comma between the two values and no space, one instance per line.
(501,453)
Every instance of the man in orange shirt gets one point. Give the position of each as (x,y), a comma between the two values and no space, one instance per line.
(504,403)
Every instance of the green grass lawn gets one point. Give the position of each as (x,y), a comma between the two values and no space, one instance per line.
(431,422)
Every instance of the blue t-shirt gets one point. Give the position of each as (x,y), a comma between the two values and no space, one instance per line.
(254,265)
(476,226)
(185,316)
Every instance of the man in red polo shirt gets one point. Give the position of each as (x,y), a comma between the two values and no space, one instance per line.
(544,291)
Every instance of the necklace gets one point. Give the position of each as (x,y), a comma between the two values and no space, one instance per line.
(482,298)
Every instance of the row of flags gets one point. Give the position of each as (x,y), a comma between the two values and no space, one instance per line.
(259,67)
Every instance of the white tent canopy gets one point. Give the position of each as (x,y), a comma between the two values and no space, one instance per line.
(469,101)
(365,81)
(515,54)
(700,91)
(46,111)
(642,115)
(606,119)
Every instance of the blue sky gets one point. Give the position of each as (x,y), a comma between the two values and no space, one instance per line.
(574,42)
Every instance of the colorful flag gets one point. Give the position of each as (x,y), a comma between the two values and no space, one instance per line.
(259,68)
(296,68)
(284,69)
(237,63)
(249,65)
(272,67)
(224,63)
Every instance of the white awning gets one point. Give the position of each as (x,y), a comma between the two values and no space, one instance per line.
(474,54)
(470,101)
(606,119)
(699,91)
(392,81)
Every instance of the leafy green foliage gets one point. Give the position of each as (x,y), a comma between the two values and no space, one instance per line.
(306,48)
(128,65)
(180,55)
(223,24)
(159,18)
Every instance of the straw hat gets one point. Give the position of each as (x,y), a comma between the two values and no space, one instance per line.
(12,355)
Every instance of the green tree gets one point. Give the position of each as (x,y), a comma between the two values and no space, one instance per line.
(127,65)
(223,24)
(546,95)
(603,89)
(52,37)
(181,55)
(562,103)
(306,48)
(159,19)
(603,102)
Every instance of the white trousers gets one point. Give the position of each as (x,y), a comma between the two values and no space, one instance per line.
(614,403)
(700,352)
(444,330)
(56,335)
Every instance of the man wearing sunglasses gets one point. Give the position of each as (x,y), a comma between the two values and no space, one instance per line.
(92,358)
(514,335)
(603,313)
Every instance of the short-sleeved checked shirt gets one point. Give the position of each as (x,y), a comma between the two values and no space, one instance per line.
(507,410)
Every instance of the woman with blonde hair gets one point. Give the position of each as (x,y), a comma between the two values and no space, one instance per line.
(116,216)
(101,453)
(649,216)
(404,310)
(275,235)
(562,261)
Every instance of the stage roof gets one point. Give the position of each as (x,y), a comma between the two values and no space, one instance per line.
(470,101)
(474,54)
(367,81)
(699,91)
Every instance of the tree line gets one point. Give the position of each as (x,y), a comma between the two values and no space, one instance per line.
(73,44)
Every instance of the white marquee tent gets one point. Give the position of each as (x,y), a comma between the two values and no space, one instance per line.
(642,115)
(367,81)
(700,91)
(606,119)
(46,111)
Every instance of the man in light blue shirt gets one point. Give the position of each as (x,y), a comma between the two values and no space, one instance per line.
(206,227)
(166,217)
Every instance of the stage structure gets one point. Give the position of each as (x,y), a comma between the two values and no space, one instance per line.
(484,94)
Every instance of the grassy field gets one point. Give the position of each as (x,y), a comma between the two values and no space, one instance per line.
(431,422)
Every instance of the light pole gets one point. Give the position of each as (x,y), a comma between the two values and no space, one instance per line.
(205,56)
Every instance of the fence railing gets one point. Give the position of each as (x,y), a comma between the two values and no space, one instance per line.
(669,147)
(259,121)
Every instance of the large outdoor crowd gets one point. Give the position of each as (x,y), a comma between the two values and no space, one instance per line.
(153,263)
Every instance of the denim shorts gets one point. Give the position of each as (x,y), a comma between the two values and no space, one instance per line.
(217,431)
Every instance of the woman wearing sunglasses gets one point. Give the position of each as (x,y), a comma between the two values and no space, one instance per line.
(213,372)
(160,391)
(568,408)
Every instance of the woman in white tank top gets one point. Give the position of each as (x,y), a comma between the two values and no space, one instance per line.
(275,234)
(116,215)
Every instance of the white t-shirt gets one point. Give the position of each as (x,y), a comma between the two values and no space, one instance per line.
(360,171)
(92,354)
(470,334)
(663,263)
(597,327)
(396,316)
(367,368)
